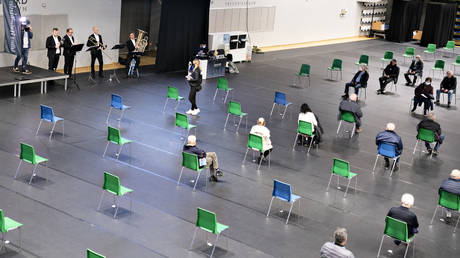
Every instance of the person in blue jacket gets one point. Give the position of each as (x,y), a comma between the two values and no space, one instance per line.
(389,136)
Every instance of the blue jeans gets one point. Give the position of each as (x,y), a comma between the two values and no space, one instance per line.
(25,56)
(437,145)
(356,86)
(449,95)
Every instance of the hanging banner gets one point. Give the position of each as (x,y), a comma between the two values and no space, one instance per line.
(11,16)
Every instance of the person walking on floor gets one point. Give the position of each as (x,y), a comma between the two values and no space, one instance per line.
(194,79)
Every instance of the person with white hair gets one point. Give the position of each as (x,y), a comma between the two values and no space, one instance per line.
(451,185)
(404,214)
(337,248)
(358,81)
(415,69)
(211,157)
(389,136)
(448,86)
(262,131)
(351,106)
(429,124)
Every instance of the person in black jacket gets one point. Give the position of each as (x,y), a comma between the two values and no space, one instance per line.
(358,81)
(423,95)
(390,74)
(69,55)
(448,86)
(131,45)
(451,185)
(415,69)
(429,124)
(211,157)
(353,107)
(404,214)
(389,136)
(194,80)
(53,44)
(95,41)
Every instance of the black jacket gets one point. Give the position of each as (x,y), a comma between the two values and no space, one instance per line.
(92,42)
(195,150)
(363,79)
(196,78)
(417,67)
(51,46)
(424,89)
(67,44)
(451,185)
(431,125)
(392,71)
(404,214)
(131,47)
(449,83)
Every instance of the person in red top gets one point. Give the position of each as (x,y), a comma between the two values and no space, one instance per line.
(424,95)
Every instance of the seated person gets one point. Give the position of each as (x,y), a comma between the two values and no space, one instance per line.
(404,214)
(231,66)
(448,86)
(390,74)
(423,95)
(337,249)
(358,81)
(211,157)
(430,124)
(307,115)
(451,185)
(389,136)
(415,69)
(350,105)
(262,131)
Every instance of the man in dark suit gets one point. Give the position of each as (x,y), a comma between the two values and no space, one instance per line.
(69,55)
(404,214)
(131,45)
(95,41)
(358,81)
(53,44)
(390,74)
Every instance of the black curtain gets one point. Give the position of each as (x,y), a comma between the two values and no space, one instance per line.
(405,18)
(439,23)
(183,26)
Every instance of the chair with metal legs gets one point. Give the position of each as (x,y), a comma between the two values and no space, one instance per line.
(117,103)
(280,100)
(336,67)
(7,225)
(349,118)
(304,129)
(282,191)
(207,221)
(397,230)
(424,135)
(112,186)
(92,254)
(47,115)
(303,73)
(114,136)
(191,161)
(182,122)
(173,93)
(386,150)
(222,84)
(28,155)
(341,168)
(448,201)
(255,143)
(234,108)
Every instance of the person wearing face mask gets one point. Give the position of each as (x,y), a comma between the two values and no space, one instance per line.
(424,95)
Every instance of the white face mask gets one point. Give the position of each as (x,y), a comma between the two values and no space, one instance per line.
(427,83)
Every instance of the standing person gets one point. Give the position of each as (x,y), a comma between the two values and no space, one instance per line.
(415,69)
(448,86)
(390,74)
(26,36)
(337,249)
(95,41)
(69,55)
(429,124)
(352,107)
(423,95)
(389,136)
(358,81)
(194,80)
(132,47)
(53,44)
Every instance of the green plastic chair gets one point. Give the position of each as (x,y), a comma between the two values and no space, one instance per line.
(341,168)
(173,93)
(363,60)
(306,130)
(112,186)
(114,136)
(234,108)
(207,221)
(439,66)
(349,118)
(397,229)
(7,225)
(450,46)
(410,53)
(28,155)
(430,49)
(182,122)
(456,63)
(190,161)
(92,254)
(426,136)
(255,143)
(387,57)
(303,73)
(337,67)
(450,201)
(222,84)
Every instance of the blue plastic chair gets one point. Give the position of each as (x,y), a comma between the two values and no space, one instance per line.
(47,115)
(280,99)
(283,192)
(387,150)
(117,103)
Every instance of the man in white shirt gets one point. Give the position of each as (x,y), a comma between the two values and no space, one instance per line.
(53,44)
(26,36)
(95,41)
(69,55)
(260,130)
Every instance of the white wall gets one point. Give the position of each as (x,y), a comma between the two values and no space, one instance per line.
(298,21)
(81,16)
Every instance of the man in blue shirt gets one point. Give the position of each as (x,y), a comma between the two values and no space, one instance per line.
(390,137)
(26,36)
(358,81)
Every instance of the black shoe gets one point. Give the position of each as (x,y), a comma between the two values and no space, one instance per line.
(219,172)
(379,92)
(213,178)
(397,242)
(436,102)
(429,151)
(435,152)
(409,84)
(345,96)
(448,105)
(387,164)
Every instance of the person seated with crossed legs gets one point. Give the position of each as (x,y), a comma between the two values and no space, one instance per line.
(358,81)
(211,157)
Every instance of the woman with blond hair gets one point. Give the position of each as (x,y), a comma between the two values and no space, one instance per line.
(194,80)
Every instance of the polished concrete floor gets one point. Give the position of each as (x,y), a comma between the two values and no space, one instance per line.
(59,209)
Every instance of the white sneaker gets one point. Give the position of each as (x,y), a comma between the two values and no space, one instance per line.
(189,112)
(448,214)
(195,112)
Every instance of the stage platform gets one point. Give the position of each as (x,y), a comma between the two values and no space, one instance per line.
(39,75)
